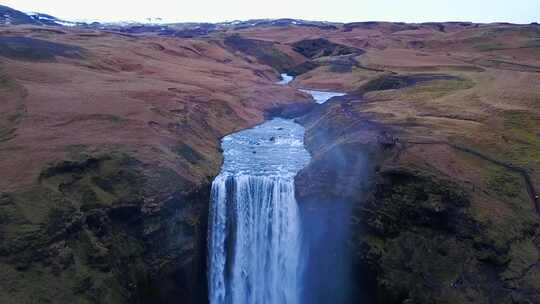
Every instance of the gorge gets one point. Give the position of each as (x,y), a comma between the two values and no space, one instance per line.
(257,252)
(419,185)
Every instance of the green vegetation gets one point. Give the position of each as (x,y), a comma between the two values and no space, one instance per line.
(441,84)
(388,82)
(525,255)
(409,229)
(94,181)
(504,182)
(13,108)
(80,235)
(432,199)
(422,242)
(433,89)
(522,130)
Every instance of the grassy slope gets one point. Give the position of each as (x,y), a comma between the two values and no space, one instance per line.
(493,113)
(492,109)
(472,137)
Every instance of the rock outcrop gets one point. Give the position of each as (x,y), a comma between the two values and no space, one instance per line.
(105,230)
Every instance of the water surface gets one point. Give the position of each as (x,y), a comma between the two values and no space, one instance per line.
(285,79)
(255,240)
(257,254)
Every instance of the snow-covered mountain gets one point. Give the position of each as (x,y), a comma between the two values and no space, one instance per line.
(9,16)
(51,20)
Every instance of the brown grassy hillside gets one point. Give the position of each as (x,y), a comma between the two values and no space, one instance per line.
(108,142)
(107,145)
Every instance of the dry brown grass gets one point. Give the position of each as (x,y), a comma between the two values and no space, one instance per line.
(143,95)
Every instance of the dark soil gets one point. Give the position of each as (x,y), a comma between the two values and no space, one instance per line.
(25,48)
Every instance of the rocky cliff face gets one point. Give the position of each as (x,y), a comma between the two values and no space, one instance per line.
(424,237)
(105,230)
(419,234)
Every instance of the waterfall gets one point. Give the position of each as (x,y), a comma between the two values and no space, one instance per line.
(254,242)
(285,79)
(258,218)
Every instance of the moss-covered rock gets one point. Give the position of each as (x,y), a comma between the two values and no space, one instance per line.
(419,235)
(104,229)
(419,241)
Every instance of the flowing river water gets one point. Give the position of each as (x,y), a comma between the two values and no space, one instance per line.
(255,237)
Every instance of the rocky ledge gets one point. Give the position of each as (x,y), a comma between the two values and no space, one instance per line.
(118,232)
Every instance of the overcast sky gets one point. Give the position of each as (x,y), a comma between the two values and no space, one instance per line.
(516,11)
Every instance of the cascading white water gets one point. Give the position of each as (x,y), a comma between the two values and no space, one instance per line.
(321,97)
(285,79)
(264,232)
(255,238)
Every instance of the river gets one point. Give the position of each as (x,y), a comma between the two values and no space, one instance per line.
(255,238)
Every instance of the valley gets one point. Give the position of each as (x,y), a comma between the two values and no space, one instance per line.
(110,139)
